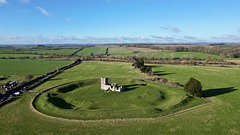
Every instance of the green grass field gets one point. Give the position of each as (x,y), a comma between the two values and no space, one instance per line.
(59,51)
(17,69)
(18,55)
(85,100)
(218,117)
(90,50)
(23,67)
(172,54)
(114,50)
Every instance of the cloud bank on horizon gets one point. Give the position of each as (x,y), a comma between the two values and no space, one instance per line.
(119,21)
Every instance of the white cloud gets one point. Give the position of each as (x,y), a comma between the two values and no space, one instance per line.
(25,1)
(160,36)
(3,1)
(68,19)
(171,28)
(227,38)
(13,37)
(43,11)
(70,39)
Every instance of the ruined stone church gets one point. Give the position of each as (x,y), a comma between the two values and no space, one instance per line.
(110,87)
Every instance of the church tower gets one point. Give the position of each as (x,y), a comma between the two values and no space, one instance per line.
(104,82)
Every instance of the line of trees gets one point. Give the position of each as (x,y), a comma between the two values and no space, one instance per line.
(139,63)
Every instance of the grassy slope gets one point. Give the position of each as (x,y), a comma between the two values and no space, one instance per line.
(141,49)
(89,102)
(220,117)
(175,54)
(101,69)
(94,50)
(62,51)
(113,50)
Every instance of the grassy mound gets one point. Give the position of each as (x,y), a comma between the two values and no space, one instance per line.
(219,117)
(85,100)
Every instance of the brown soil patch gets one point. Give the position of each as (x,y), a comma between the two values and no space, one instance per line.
(234,61)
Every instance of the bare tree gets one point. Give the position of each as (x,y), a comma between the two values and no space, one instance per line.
(28,77)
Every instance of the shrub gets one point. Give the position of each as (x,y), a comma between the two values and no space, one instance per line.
(138,63)
(193,87)
(28,77)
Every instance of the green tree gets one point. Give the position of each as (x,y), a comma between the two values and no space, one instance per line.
(143,69)
(28,77)
(138,63)
(193,87)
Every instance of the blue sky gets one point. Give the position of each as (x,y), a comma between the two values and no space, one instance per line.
(118,21)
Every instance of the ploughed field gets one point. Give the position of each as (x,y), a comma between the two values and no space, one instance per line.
(220,85)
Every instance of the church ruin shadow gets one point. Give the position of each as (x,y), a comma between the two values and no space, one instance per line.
(133,86)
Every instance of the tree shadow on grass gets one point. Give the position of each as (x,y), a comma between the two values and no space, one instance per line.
(153,66)
(4,78)
(133,86)
(219,91)
(161,73)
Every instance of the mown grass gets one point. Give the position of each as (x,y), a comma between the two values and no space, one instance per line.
(219,117)
(113,50)
(17,69)
(85,100)
(157,55)
(18,55)
(171,54)
(94,50)
(141,49)
(59,51)
(23,67)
